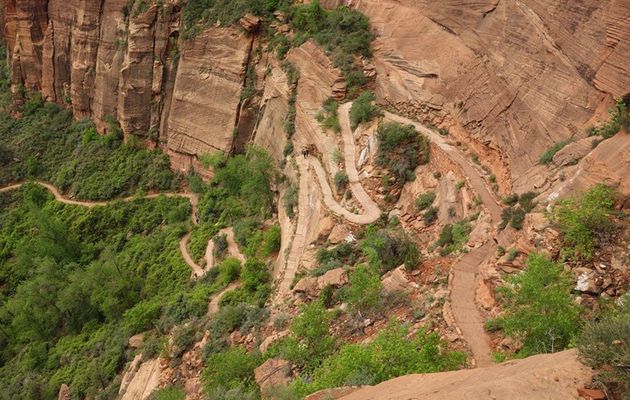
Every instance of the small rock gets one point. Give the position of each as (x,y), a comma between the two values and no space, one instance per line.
(136,341)
(64,393)
(336,278)
(307,286)
(396,280)
(250,22)
(338,234)
(591,394)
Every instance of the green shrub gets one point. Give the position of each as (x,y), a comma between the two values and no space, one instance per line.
(454,237)
(341,180)
(232,369)
(526,201)
(364,292)
(605,344)
(517,218)
(220,246)
(401,149)
(363,110)
(271,241)
(547,156)
(291,200)
(329,116)
(430,216)
(391,354)
(425,200)
(168,393)
(310,341)
(229,270)
(619,119)
(539,308)
(582,218)
(387,249)
(340,255)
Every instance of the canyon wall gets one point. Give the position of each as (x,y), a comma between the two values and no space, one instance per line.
(508,77)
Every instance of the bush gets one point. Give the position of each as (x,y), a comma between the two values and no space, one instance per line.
(271,241)
(229,270)
(619,119)
(517,218)
(310,341)
(232,369)
(364,292)
(329,116)
(401,149)
(454,237)
(341,181)
(387,249)
(220,246)
(539,308)
(340,255)
(168,393)
(363,110)
(605,344)
(582,218)
(430,216)
(391,354)
(291,200)
(547,156)
(425,200)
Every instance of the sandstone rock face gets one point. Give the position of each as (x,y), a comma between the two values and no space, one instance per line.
(557,375)
(274,372)
(64,393)
(517,76)
(210,68)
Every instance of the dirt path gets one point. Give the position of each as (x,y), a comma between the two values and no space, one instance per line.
(299,238)
(213,306)
(233,250)
(465,270)
(183,243)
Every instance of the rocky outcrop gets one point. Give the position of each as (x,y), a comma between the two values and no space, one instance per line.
(273,372)
(517,76)
(557,375)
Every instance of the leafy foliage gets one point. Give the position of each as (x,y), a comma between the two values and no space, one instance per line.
(46,144)
(390,355)
(329,116)
(389,248)
(401,149)
(619,119)
(539,309)
(583,218)
(454,237)
(363,109)
(231,370)
(605,343)
(425,201)
(364,291)
(547,156)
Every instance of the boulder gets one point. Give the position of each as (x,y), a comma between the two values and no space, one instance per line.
(64,393)
(338,234)
(274,372)
(136,341)
(250,22)
(307,286)
(396,280)
(326,226)
(336,277)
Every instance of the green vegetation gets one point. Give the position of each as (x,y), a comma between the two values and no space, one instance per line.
(389,248)
(619,119)
(329,116)
(605,344)
(169,393)
(363,109)
(514,215)
(343,33)
(77,282)
(341,181)
(454,237)
(46,144)
(547,156)
(198,13)
(229,374)
(430,216)
(391,354)
(539,309)
(401,149)
(425,200)
(364,292)
(291,200)
(584,219)
(340,255)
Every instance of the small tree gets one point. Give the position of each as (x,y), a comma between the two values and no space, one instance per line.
(364,292)
(539,309)
(582,218)
(363,109)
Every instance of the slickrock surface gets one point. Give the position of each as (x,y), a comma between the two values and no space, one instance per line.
(549,376)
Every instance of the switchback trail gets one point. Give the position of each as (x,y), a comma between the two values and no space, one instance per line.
(183,243)
(371,211)
(464,286)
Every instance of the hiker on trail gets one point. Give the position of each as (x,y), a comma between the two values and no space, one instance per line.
(305,152)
